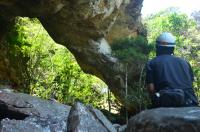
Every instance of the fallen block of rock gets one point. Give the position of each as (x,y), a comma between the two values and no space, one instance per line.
(87,119)
(186,119)
(24,113)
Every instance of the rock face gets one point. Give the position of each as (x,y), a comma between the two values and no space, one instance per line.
(86,28)
(166,120)
(22,113)
(88,119)
(128,22)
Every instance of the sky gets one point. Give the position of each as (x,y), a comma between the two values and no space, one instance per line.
(186,6)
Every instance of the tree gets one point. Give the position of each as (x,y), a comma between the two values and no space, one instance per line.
(196,16)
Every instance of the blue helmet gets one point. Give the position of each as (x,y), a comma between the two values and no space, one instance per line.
(166,40)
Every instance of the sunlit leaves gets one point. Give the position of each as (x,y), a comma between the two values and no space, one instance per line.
(52,70)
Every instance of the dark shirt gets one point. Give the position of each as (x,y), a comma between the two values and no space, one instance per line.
(169,71)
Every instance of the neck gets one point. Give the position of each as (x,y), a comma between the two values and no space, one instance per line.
(164,51)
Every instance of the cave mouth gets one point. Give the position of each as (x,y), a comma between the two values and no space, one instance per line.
(6,113)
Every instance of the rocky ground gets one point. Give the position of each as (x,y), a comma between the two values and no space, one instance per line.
(21,113)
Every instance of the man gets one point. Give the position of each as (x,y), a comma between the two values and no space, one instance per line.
(169,78)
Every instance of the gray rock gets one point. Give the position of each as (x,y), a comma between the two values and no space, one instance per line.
(33,124)
(120,128)
(21,112)
(116,126)
(102,119)
(185,119)
(84,119)
(7,89)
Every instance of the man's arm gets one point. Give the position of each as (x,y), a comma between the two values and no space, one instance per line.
(149,79)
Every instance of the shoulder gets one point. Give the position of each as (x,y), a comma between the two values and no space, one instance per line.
(154,60)
(181,59)
(150,62)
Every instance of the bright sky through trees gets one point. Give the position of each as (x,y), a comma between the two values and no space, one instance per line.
(186,6)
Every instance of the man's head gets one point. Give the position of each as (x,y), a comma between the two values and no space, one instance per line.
(165,43)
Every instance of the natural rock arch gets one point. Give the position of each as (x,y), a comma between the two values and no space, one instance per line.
(86,28)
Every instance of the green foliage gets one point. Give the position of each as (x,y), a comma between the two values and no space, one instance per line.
(131,49)
(168,21)
(134,50)
(187,37)
(140,97)
(52,71)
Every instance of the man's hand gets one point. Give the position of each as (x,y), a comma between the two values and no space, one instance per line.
(151,88)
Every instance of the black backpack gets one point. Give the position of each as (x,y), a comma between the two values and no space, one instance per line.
(169,98)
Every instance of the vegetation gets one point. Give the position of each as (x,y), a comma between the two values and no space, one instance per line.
(129,50)
(52,71)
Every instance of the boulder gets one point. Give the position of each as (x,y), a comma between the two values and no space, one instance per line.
(186,119)
(120,128)
(85,118)
(21,113)
(33,124)
(116,126)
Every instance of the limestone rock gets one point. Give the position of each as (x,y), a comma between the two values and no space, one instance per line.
(185,119)
(128,22)
(87,119)
(21,112)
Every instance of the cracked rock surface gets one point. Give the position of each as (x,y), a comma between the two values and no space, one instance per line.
(21,113)
(87,119)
